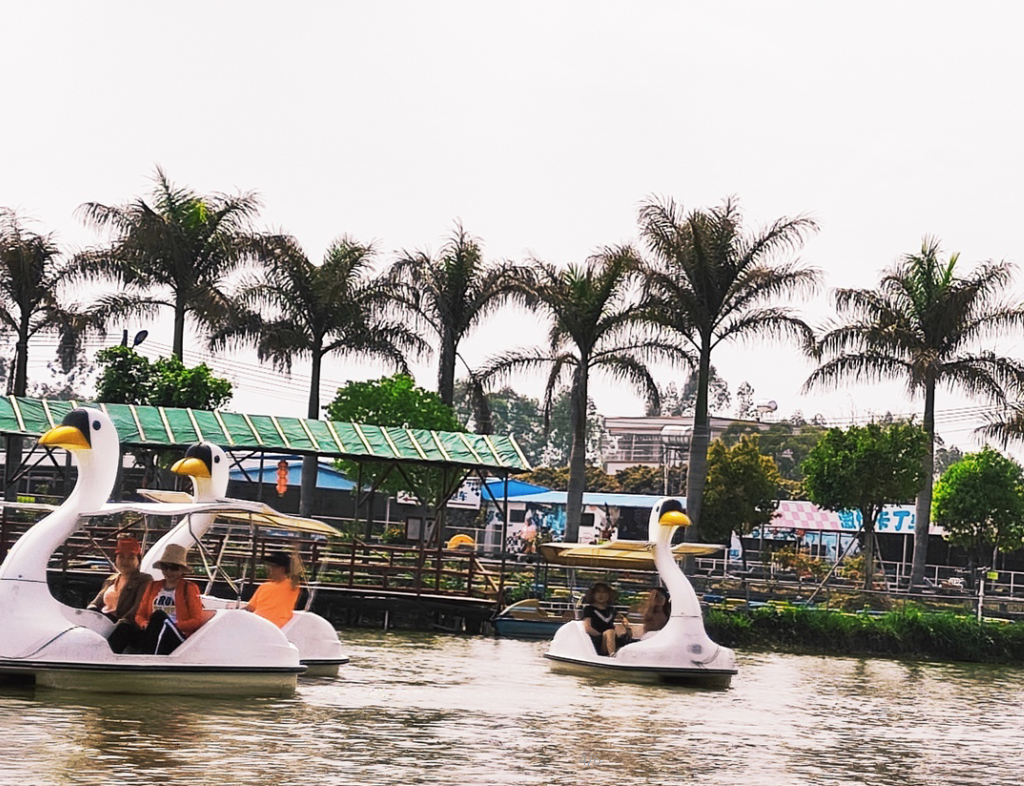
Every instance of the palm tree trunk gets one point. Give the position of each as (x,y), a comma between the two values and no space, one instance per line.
(578,455)
(178,347)
(697,468)
(446,368)
(924,499)
(310,464)
(15,445)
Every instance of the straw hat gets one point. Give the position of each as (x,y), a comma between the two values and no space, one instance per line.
(173,555)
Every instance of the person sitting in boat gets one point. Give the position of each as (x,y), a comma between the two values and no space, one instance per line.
(599,620)
(655,612)
(275,599)
(121,593)
(170,610)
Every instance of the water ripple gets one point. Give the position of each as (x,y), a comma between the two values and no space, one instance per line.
(419,709)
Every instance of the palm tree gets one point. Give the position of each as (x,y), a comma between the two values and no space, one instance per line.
(597,325)
(453,293)
(313,311)
(918,326)
(31,275)
(176,253)
(711,282)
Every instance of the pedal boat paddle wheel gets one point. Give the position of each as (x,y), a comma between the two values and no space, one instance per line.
(234,653)
(681,652)
(206,465)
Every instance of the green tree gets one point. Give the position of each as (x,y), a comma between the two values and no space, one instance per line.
(297,309)
(523,417)
(453,293)
(678,403)
(742,490)
(596,327)
(644,479)
(865,468)
(787,444)
(32,272)
(945,458)
(127,377)
(396,401)
(557,479)
(745,409)
(713,282)
(919,326)
(980,502)
(177,253)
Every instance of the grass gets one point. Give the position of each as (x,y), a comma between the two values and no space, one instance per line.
(908,633)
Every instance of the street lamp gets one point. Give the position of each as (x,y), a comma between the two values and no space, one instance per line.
(139,338)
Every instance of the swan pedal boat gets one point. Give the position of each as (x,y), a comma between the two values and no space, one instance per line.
(680,653)
(55,645)
(206,465)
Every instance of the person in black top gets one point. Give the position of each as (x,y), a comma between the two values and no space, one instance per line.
(599,620)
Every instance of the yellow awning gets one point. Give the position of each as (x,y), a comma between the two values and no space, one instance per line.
(619,554)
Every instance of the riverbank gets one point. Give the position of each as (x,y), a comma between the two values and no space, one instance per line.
(907,633)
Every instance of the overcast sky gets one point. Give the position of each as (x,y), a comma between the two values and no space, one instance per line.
(541,126)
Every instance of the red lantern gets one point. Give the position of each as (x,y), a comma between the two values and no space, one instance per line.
(282,477)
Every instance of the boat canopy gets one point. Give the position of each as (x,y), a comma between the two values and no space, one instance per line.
(169,427)
(266,517)
(618,554)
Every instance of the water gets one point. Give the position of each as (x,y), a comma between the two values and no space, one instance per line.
(415,708)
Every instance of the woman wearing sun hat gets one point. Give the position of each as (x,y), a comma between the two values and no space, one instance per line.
(170,610)
(275,599)
(121,593)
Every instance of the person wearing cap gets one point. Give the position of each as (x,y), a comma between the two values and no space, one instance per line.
(171,609)
(121,593)
(275,599)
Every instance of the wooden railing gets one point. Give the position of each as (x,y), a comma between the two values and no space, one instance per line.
(405,569)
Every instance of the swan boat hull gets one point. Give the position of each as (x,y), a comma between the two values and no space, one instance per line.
(695,677)
(155,679)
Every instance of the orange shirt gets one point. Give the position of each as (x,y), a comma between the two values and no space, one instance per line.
(275,601)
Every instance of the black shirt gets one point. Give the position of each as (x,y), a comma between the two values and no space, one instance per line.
(600,619)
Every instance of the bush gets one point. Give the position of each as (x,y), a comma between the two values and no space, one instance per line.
(908,633)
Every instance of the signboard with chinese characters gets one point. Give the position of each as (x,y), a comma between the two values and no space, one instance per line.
(468,496)
(803,515)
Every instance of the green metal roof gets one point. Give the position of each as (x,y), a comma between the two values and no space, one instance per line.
(167,427)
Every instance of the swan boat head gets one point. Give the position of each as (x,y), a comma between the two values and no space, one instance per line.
(90,436)
(207,465)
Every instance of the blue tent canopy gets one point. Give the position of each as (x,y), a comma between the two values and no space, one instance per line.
(516,488)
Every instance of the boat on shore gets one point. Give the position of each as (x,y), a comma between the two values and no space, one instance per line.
(528,619)
(54,645)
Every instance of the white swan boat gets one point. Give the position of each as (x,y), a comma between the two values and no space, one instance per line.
(206,464)
(234,653)
(680,652)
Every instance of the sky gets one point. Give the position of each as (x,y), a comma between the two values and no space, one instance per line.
(542,127)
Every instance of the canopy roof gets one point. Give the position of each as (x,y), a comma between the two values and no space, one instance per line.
(618,554)
(168,427)
(266,516)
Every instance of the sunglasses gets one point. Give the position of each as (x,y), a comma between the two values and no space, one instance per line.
(166,568)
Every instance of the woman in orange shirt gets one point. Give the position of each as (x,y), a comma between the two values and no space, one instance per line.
(275,599)
(170,610)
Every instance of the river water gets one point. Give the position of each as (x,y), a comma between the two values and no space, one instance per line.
(414,708)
